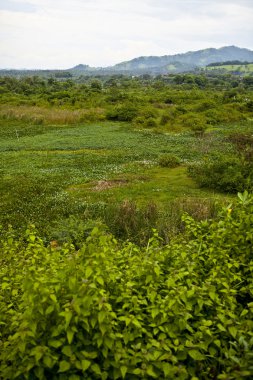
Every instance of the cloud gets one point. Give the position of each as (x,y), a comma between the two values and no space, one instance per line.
(60,33)
(17,6)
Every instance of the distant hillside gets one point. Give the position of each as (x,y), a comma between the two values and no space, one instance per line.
(176,63)
(188,60)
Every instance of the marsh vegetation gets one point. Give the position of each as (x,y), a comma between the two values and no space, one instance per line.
(125,252)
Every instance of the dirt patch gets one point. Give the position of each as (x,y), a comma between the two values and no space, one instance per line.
(105,185)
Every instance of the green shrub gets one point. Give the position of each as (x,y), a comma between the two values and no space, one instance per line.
(147,117)
(150,123)
(165,118)
(222,173)
(169,161)
(73,230)
(123,112)
(148,113)
(111,311)
(140,120)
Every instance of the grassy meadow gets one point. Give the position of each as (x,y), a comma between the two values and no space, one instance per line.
(51,172)
(240,68)
(82,150)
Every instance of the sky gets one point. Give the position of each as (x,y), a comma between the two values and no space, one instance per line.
(40,34)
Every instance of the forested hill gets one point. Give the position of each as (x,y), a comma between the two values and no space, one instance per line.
(166,64)
(189,59)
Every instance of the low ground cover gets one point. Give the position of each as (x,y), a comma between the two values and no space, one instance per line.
(51,172)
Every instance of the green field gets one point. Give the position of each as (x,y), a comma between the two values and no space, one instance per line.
(245,69)
(50,172)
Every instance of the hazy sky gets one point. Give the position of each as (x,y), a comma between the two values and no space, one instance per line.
(63,33)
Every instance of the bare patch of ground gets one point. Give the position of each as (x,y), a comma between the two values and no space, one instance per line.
(105,185)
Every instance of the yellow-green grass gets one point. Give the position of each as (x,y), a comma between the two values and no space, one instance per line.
(237,68)
(48,172)
(42,115)
(156,184)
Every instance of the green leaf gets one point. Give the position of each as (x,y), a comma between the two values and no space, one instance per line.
(88,272)
(212,351)
(217,342)
(104,375)
(70,335)
(101,316)
(123,370)
(100,281)
(108,342)
(64,366)
(90,355)
(67,351)
(155,312)
(72,283)
(166,369)
(96,369)
(68,316)
(233,331)
(74,377)
(85,364)
(49,310)
(221,328)
(32,238)
(48,362)
(55,343)
(150,371)
(5,285)
(212,295)
(196,355)
(137,371)
(38,354)
(244,312)
(103,329)
(53,298)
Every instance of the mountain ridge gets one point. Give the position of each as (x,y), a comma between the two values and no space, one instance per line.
(166,64)
(196,58)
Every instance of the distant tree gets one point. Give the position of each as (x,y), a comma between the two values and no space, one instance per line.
(96,85)
(63,74)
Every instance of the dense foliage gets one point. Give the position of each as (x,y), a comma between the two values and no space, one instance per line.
(112,311)
(163,103)
(227,172)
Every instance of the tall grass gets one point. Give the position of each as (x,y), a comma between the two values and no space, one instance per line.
(128,221)
(40,115)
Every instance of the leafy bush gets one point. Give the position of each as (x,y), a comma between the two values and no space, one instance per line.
(123,112)
(73,230)
(228,174)
(169,161)
(165,118)
(195,121)
(110,311)
(151,123)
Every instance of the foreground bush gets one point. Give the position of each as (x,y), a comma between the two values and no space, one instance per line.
(110,311)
